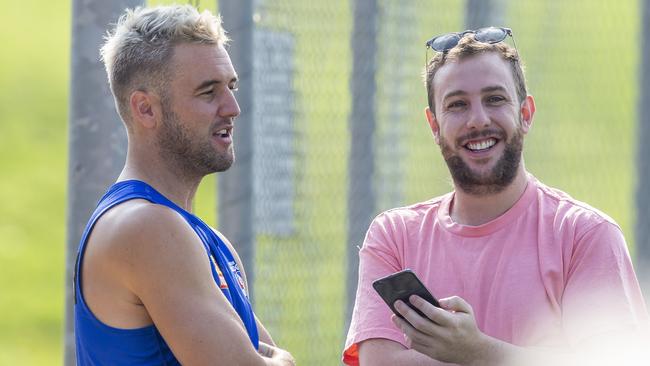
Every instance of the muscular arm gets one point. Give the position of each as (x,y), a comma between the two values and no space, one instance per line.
(264,334)
(156,256)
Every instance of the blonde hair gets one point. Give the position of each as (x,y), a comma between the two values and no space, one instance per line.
(138,51)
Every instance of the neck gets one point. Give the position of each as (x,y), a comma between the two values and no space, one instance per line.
(170,181)
(474,210)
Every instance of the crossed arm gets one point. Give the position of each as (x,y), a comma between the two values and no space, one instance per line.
(450,335)
(150,253)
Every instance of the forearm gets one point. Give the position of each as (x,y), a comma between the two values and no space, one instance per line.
(608,349)
(273,362)
(264,334)
(384,352)
(510,355)
(499,353)
(399,358)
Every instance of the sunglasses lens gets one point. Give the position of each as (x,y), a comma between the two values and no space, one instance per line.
(444,43)
(490,35)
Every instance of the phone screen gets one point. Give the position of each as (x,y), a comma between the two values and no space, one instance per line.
(400,286)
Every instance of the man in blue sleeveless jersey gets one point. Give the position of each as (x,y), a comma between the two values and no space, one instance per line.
(154,285)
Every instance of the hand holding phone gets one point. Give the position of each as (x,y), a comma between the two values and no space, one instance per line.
(400,286)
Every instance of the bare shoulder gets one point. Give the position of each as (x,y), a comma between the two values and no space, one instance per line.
(152,255)
(138,237)
(226,241)
(133,250)
(134,225)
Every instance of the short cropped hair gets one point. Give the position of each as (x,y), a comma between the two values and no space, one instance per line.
(468,47)
(137,53)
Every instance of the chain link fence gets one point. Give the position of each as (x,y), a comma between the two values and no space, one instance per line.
(339,134)
(308,58)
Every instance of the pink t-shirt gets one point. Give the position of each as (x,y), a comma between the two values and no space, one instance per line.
(533,276)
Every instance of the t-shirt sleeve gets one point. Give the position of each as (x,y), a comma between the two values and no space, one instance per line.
(378,257)
(602,294)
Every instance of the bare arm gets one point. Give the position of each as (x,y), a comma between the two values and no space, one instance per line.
(458,342)
(384,352)
(451,335)
(264,334)
(165,265)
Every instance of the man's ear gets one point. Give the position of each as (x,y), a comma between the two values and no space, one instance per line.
(433,123)
(527,112)
(145,108)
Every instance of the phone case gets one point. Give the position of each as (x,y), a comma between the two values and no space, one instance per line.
(400,286)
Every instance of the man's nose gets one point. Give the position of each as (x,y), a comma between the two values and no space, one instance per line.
(479,117)
(229,106)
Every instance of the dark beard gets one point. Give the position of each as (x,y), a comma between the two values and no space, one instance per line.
(496,180)
(189,155)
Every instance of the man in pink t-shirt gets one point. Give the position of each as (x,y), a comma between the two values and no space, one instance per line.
(520,268)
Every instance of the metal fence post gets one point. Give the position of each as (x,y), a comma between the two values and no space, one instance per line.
(642,231)
(484,13)
(97,139)
(235,187)
(361,192)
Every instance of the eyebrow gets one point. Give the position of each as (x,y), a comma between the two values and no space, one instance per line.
(487,89)
(211,82)
(493,89)
(453,94)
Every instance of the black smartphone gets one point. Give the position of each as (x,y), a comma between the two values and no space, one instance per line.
(400,286)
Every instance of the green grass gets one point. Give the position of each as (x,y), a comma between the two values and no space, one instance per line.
(33,120)
(582,63)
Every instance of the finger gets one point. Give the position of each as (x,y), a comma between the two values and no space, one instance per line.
(456,303)
(435,314)
(412,337)
(401,307)
(415,336)
(430,349)
(417,321)
(399,322)
(265,350)
(404,326)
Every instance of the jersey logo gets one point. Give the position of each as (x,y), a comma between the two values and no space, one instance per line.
(234,269)
(222,280)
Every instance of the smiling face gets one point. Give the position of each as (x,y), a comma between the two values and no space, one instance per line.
(198,110)
(479,123)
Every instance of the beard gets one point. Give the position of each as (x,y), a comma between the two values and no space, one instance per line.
(192,155)
(496,179)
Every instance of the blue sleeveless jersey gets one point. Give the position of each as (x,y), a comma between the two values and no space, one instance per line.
(101,344)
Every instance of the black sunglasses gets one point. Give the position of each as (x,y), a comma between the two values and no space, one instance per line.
(445,42)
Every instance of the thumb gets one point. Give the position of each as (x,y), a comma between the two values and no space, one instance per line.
(265,350)
(457,304)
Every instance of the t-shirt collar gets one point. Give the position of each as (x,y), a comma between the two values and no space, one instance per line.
(516,212)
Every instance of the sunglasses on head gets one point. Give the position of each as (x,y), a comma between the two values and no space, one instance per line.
(445,42)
